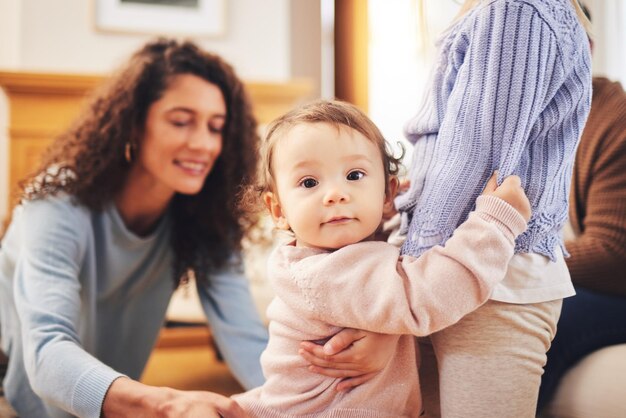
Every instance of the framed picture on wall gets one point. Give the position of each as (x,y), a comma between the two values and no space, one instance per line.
(182,17)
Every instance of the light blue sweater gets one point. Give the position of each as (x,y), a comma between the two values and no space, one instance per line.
(511,91)
(82,300)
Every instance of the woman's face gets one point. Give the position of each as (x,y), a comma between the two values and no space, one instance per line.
(183,136)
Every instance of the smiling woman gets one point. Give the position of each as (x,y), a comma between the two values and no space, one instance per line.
(137,196)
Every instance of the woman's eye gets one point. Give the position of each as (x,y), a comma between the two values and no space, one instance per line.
(216,129)
(180,123)
(309,183)
(355,175)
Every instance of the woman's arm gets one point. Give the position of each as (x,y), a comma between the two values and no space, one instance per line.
(53,237)
(47,296)
(235,322)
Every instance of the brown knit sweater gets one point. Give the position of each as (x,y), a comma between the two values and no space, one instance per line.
(598,198)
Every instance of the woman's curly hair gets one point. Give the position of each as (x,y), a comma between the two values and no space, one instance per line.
(88,160)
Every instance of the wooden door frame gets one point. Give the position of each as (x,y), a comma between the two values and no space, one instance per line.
(351,52)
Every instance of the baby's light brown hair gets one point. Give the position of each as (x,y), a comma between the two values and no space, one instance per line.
(334,112)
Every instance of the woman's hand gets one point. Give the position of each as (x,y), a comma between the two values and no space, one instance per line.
(351,354)
(198,404)
(127,397)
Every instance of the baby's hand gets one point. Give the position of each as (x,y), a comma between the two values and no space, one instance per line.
(511,192)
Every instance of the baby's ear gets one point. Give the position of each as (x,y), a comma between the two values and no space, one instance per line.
(390,194)
(273,206)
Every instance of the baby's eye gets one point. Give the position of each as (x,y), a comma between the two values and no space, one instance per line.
(308,183)
(355,175)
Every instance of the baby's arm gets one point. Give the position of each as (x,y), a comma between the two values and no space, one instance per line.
(365,286)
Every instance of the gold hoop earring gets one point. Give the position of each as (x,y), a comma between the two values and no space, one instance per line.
(128,153)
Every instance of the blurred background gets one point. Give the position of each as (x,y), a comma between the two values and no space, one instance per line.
(376,54)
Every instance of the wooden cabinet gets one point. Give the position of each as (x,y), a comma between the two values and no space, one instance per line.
(40,106)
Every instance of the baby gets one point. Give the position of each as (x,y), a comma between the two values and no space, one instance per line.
(327,177)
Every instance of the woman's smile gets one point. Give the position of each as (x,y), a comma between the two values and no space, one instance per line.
(195,168)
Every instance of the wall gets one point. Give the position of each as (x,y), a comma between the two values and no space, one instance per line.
(305,28)
(609,32)
(60,36)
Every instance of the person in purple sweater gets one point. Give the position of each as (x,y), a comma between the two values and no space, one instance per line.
(510,91)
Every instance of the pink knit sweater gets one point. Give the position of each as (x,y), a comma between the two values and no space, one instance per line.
(369,286)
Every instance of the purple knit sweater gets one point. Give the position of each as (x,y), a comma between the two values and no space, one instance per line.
(511,91)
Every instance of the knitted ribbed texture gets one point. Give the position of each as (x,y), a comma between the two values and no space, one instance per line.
(598,199)
(90,390)
(511,91)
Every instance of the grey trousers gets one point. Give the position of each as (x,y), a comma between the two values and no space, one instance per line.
(489,364)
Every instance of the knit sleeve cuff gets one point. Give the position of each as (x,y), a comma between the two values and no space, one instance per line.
(505,216)
(91,389)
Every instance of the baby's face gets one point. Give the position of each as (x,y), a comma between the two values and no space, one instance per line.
(330,185)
